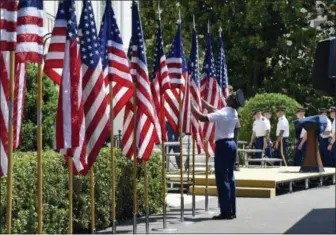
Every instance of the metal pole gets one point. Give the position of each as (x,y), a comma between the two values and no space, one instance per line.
(92,200)
(146,196)
(181,156)
(113,164)
(10,144)
(193,177)
(70,231)
(207,179)
(39,151)
(188,161)
(164,185)
(134,168)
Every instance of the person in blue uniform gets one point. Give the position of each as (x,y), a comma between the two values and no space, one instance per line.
(282,133)
(260,133)
(332,144)
(225,151)
(324,140)
(268,115)
(300,139)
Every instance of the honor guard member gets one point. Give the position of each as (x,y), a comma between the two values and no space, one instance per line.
(268,115)
(332,144)
(300,139)
(282,133)
(225,151)
(260,133)
(325,139)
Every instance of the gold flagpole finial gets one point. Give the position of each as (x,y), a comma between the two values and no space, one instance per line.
(194,24)
(208,26)
(220,30)
(159,10)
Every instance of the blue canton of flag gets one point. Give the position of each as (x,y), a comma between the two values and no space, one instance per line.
(208,65)
(221,68)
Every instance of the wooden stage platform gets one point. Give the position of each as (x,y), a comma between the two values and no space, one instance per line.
(260,182)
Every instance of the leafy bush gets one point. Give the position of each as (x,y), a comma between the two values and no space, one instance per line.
(267,101)
(55,193)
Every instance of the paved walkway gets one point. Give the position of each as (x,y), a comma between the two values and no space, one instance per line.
(307,211)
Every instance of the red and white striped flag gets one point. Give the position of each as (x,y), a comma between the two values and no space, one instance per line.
(146,135)
(30,31)
(8,25)
(178,73)
(210,92)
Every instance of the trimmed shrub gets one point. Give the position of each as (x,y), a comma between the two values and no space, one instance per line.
(267,101)
(55,193)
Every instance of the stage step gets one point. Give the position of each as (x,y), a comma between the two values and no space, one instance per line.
(240,191)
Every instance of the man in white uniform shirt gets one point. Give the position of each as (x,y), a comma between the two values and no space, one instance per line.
(260,133)
(325,139)
(225,151)
(268,115)
(300,139)
(282,133)
(332,144)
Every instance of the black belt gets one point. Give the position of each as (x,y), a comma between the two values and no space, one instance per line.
(260,136)
(225,139)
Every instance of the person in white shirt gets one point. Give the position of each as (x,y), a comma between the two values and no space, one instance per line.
(260,133)
(300,139)
(225,151)
(332,144)
(268,115)
(324,140)
(282,133)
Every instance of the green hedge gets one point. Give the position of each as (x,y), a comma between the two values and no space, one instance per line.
(267,101)
(55,193)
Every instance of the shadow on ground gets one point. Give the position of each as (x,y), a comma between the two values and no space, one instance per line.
(317,221)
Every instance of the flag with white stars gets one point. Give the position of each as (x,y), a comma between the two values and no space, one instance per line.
(146,136)
(221,71)
(115,63)
(160,82)
(193,68)
(210,92)
(178,73)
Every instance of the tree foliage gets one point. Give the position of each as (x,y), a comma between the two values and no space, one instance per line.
(269,44)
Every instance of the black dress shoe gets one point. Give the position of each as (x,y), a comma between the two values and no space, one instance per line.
(224,217)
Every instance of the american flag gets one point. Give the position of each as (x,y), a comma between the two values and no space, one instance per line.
(30,31)
(210,92)
(159,84)
(96,125)
(186,107)
(114,59)
(8,22)
(146,136)
(193,67)
(178,73)
(221,72)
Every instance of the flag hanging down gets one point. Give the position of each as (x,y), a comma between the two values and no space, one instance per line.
(8,25)
(159,84)
(55,57)
(114,60)
(221,72)
(210,93)
(146,136)
(30,31)
(193,67)
(178,73)
(95,126)
(186,107)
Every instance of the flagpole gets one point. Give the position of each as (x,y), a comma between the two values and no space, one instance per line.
(193,177)
(207,164)
(92,200)
(10,144)
(181,157)
(70,175)
(39,150)
(134,166)
(113,164)
(146,196)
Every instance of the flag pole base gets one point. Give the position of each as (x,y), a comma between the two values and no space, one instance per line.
(134,224)
(114,227)
(193,205)
(147,220)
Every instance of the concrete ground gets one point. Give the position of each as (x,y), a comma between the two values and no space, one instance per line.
(306,211)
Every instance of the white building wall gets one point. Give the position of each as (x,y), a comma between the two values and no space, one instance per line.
(122,10)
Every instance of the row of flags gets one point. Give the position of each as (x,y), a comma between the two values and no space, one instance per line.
(87,66)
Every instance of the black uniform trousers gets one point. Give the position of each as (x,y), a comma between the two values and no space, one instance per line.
(225,156)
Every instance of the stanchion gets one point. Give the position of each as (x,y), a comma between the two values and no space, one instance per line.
(135,206)
(10,144)
(70,179)
(193,177)
(113,162)
(92,201)
(146,196)
(39,151)
(181,157)
(207,179)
